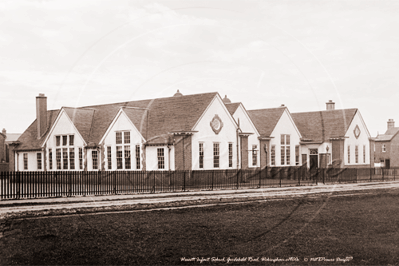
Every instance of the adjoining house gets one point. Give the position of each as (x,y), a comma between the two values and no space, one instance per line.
(386,147)
(279,137)
(338,137)
(174,133)
(6,139)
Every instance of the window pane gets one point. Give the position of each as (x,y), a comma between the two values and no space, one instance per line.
(65,158)
(119,157)
(216,162)
(109,158)
(71,140)
(81,158)
(230,154)
(50,159)
(138,157)
(127,157)
(95,159)
(39,161)
(58,158)
(356,154)
(118,138)
(254,155)
(161,158)
(64,140)
(127,137)
(201,155)
(57,140)
(349,154)
(25,161)
(273,155)
(71,158)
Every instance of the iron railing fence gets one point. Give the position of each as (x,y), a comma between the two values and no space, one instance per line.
(15,185)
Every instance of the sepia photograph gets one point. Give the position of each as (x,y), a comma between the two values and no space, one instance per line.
(199,132)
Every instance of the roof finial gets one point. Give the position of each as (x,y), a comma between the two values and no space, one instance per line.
(178,94)
(226,100)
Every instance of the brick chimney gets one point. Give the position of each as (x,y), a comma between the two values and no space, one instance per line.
(41,114)
(391,123)
(330,105)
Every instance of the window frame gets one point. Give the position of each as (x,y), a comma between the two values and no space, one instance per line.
(94,159)
(254,155)
(138,162)
(273,155)
(231,155)
(201,155)
(356,154)
(123,144)
(349,154)
(50,159)
(25,159)
(285,143)
(161,158)
(39,160)
(109,157)
(216,155)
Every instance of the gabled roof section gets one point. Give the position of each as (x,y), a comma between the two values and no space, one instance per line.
(265,120)
(29,141)
(82,119)
(389,134)
(164,115)
(320,126)
(232,107)
(177,113)
(138,116)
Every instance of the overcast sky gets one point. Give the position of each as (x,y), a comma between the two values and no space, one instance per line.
(261,53)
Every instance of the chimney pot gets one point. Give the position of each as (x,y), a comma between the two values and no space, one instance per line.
(330,105)
(391,123)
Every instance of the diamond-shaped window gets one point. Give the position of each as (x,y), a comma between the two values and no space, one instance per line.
(357,131)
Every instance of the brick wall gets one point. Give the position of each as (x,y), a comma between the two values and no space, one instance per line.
(337,151)
(264,156)
(244,152)
(183,153)
(4,167)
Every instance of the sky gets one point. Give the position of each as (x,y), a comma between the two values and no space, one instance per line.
(262,53)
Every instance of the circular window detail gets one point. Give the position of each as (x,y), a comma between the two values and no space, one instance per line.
(216,124)
(356,131)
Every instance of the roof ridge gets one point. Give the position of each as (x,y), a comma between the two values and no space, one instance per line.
(260,109)
(126,102)
(324,111)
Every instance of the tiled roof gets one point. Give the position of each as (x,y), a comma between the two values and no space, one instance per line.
(320,126)
(164,115)
(82,119)
(232,107)
(265,120)
(29,140)
(389,134)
